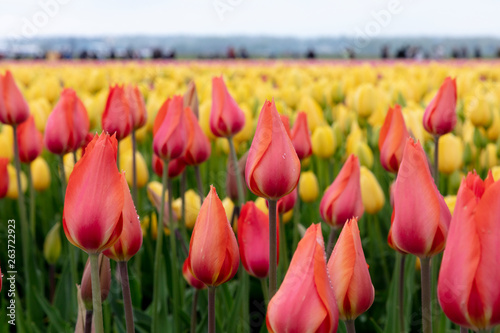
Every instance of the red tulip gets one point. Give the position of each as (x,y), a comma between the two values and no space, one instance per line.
(287,203)
(160,116)
(130,240)
(226,118)
(92,217)
(348,270)
(421,217)
(342,200)
(68,124)
(392,139)
(273,168)
(301,138)
(468,288)
(305,301)
(190,279)
(137,107)
(13,107)
(30,141)
(253,238)
(104,278)
(4,177)
(213,250)
(170,140)
(440,116)
(198,146)
(175,167)
(116,118)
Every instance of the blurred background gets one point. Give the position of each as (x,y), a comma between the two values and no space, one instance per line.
(218,29)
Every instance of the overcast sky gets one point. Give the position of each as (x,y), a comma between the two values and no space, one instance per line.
(301,18)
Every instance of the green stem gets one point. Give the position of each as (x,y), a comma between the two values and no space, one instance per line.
(75,158)
(331,242)
(96,292)
(183,205)
(401,293)
(375,225)
(349,325)
(63,176)
(239,185)
(426,295)
(273,255)
(134,168)
(173,251)
(88,321)
(283,246)
(158,252)
(211,310)
(32,203)
(127,299)
(296,221)
(194,305)
(265,292)
(201,193)
(436,159)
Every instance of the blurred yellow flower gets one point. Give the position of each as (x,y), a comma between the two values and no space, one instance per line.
(323,142)
(450,153)
(308,187)
(40,172)
(371,192)
(12,192)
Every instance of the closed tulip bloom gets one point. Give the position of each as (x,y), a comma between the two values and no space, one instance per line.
(116,117)
(160,116)
(137,107)
(40,172)
(349,274)
(421,217)
(30,141)
(273,168)
(451,153)
(371,192)
(130,240)
(68,124)
(300,136)
(213,250)
(226,118)
(308,187)
(104,278)
(191,99)
(170,141)
(323,142)
(392,139)
(305,302)
(13,107)
(190,279)
(4,177)
(175,167)
(342,200)
(198,146)
(440,116)
(92,217)
(52,245)
(286,203)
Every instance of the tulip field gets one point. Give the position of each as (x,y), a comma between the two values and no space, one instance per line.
(250,196)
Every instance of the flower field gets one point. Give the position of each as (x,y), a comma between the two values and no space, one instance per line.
(174,186)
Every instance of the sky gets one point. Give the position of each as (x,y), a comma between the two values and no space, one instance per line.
(297,18)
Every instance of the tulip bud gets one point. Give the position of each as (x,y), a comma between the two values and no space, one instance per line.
(104,278)
(137,107)
(364,100)
(301,138)
(198,146)
(479,111)
(286,203)
(228,205)
(451,201)
(371,192)
(440,116)
(488,157)
(13,190)
(116,118)
(30,141)
(192,202)
(190,279)
(305,301)
(40,172)
(450,153)
(4,177)
(52,245)
(364,154)
(191,98)
(246,132)
(226,118)
(392,139)
(141,168)
(170,140)
(308,187)
(213,250)
(323,142)
(13,107)
(349,274)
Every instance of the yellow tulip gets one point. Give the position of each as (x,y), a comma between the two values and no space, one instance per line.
(488,158)
(450,201)
(6,142)
(323,142)
(141,134)
(228,208)
(261,204)
(365,154)
(246,132)
(313,111)
(493,131)
(287,217)
(40,172)
(12,192)
(479,110)
(353,139)
(308,187)
(496,172)
(141,168)
(52,244)
(365,99)
(154,189)
(192,207)
(69,164)
(451,152)
(204,119)
(147,225)
(371,192)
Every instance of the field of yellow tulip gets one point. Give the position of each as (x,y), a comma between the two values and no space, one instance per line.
(356,177)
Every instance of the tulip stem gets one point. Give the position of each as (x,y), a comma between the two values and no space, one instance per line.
(88,321)
(134,168)
(24,224)
(349,325)
(265,293)
(52,282)
(426,295)
(401,293)
(194,305)
(63,176)
(173,250)
(201,193)
(239,185)
(436,159)
(464,329)
(183,205)
(32,203)
(127,299)
(296,221)
(331,242)
(273,255)
(211,310)
(96,292)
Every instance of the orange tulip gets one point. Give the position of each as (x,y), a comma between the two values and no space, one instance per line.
(421,217)
(104,278)
(440,116)
(226,118)
(116,118)
(342,200)
(30,141)
(301,138)
(138,112)
(160,116)
(4,177)
(305,301)
(273,168)
(92,217)
(130,240)
(348,270)
(392,139)
(468,288)
(13,107)
(198,146)
(190,279)
(213,250)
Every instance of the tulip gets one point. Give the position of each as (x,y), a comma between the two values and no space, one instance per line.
(364,154)
(13,189)
(468,289)
(40,173)
(198,147)
(4,177)
(349,274)
(308,186)
(287,203)
(451,201)
(440,116)
(342,200)
(68,124)
(137,108)
(192,207)
(104,278)
(226,118)
(30,141)
(191,98)
(364,100)
(371,192)
(450,153)
(116,118)
(52,245)
(286,122)
(301,138)
(480,112)
(126,164)
(190,279)
(392,139)
(13,107)
(323,142)
(305,302)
